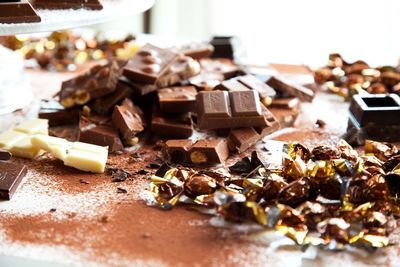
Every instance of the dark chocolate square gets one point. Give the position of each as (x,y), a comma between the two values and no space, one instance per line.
(376,109)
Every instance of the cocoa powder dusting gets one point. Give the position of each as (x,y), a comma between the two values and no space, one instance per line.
(91,224)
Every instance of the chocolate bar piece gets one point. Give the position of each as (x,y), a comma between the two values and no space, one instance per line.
(206,80)
(149,63)
(248,82)
(292,103)
(286,110)
(82,156)
(243,138)
(374,117)
(98,130)
(376,109)
(67,4)
(172,125)
(17,12)
(178,150)
(104,104)
(253,83)
(177,99)
(57,114)
(222,109)
(5,155)
(223,66)
(18,140)
(11,175)
(227,47)
(182,69)
(202,152)
(283,85)
(128,119)
(95,83)
(196,50)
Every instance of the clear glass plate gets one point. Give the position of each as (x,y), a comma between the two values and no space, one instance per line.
(66,19)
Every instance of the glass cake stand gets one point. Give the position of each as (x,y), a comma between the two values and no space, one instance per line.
(14,82)
(65,19)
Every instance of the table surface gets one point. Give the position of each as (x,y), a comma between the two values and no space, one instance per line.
(93,225)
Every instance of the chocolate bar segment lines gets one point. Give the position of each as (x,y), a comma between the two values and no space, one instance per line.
(221,109)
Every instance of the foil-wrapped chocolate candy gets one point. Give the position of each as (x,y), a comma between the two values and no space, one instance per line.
(382,151)
(200,184)
(325,152)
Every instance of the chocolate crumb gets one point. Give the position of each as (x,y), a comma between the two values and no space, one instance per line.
(53,210)
(111,170)
(104,219)
(135,155)
(71,214)
(146,235)
(153,165)
(119,177)
(121,190)
(159,145)
(320,123)
(129,174)
(142,172)
(83,181)
(162,170)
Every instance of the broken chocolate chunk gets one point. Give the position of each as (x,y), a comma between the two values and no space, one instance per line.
(98,130)
(11,175)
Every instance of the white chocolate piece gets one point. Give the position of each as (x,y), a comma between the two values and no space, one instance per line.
(24,149)
(86,161)
(18,140)
(54,145)
(82,156)
(34,126)
(9,138)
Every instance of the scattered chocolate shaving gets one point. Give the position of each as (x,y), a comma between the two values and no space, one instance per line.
(162,170)
(121,190)
(119,177)
(111,170)
(83,181)
(128,174)
(146,235)
(153,165)
(320,123)
(242,166)
(142,172)
(53,209)
(104,219)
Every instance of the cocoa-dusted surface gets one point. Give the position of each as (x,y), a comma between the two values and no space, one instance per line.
(62,215)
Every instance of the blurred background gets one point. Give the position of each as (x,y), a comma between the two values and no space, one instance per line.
(286,31)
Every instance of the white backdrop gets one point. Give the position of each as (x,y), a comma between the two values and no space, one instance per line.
(290,31)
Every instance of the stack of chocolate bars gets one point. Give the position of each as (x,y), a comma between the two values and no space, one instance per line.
(22,11)
(173,93)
